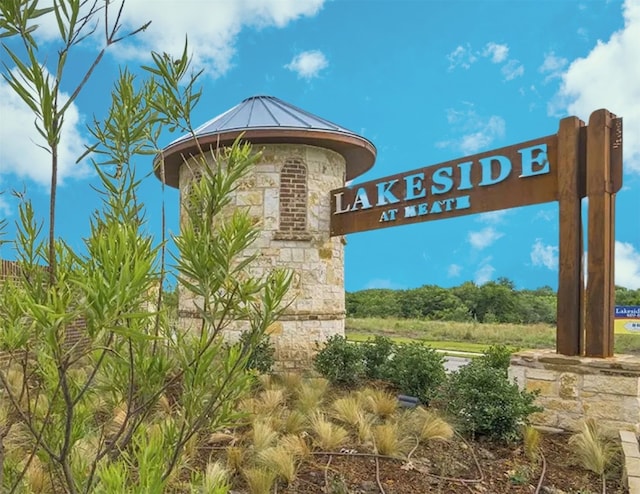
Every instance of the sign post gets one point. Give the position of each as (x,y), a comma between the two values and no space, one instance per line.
(579,161)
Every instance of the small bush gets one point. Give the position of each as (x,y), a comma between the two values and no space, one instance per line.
(486,403)
(261,358)
(416,370)
(497,357)
(376,354)
(340,362)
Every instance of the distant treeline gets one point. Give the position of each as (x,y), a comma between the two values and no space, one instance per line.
(494,302)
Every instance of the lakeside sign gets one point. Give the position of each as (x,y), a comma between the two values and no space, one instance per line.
(627,319)
(579,161)
(512,176)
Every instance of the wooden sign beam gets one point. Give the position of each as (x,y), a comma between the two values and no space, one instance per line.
(517,175)
(569,340)
(600,303)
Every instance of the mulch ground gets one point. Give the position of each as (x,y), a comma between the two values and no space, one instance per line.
(454,467)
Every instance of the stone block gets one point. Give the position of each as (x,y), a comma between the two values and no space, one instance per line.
(546,388)
(560,405)
(542,374)
(633,483)
(632,467)
(275,329)
(249,198)
(517,375)
(546,418)
(628,437)
(604,407)
(611,384)
(569,385)
(630,450)
(570,422)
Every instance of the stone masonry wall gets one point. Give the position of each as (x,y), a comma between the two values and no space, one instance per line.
(288,194)
(576,388)
(75,331)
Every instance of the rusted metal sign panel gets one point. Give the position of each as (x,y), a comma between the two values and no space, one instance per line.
(517,175)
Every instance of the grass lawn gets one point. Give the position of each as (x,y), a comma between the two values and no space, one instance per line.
(469,337)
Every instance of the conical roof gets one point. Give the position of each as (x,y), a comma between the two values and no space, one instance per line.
(269,120)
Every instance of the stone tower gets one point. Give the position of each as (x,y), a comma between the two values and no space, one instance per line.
(303,158)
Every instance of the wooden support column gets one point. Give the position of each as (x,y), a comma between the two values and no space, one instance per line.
(569,339)
(599,300)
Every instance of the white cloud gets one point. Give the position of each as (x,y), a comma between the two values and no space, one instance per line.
(5,208)
(382,283)
(545,215)
(485,272)
(493,217)
(552,66)
(512,69)
(627,266)
(484,238)
(308,64)
(478,132)
(454,270)
(212,27)
(20,153)
(497,52)
(544,255)
(462,56)
(608,77)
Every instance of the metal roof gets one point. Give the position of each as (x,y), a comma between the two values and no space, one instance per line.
(269,120)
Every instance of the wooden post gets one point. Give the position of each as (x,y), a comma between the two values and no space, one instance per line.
(569,338)
(599,300)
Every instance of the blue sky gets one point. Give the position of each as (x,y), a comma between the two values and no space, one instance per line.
(425,81)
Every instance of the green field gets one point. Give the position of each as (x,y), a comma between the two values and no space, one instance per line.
(469,337)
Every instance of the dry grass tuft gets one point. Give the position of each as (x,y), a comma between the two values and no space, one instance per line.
(37,478)
(262,435)
(310,395)
(348,410)
(216,478)
(117,419)
(296,444)
(389,440)
(281,461)
(290,381)
(17,442)
(268,381)
(260,480)
(380,402)
(247,406)
(219,438)
(294,421)
(327,436)
(14,377)
(236,456)
(428,426)
(531,442)
(269,401)
(163,406)
(593,449)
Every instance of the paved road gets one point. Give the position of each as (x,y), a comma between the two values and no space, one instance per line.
(454,363)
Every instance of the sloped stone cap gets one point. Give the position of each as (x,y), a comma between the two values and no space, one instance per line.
(269,120)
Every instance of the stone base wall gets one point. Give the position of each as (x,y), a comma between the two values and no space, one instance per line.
(287,194)
(576,388)
(294,337)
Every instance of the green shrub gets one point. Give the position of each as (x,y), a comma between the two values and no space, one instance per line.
(416,370)
(340,362)
(486,403)
(497,357)
(261,358)
(376,354)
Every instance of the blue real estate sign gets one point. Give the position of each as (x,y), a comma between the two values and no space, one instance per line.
(627,319)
